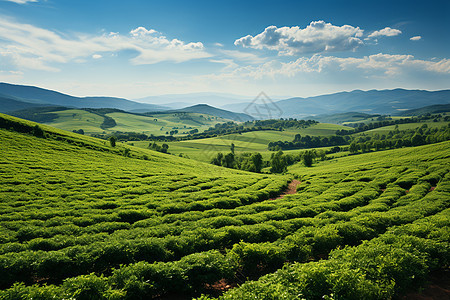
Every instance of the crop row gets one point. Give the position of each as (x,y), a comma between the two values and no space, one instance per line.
(404,255)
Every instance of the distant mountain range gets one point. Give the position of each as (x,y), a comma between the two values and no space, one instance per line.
(388,102)
(177,101)
(22,97)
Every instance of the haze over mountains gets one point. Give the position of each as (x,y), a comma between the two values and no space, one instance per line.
(390,102)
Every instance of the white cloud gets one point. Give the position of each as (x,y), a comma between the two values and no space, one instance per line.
(140,32)
(36,48)
(416,38)
(317,37)
(378,65)
(97,56)
(243,56)
(388,31)
(21,1)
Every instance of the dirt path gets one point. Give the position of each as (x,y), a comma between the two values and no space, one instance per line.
(291,189)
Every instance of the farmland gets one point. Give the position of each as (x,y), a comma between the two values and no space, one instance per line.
(159,124)
(205,149)
(81,219)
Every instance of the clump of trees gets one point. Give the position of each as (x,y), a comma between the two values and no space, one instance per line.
(249,126)
(160,148)
(79,131)
(398,139)
(278,161)
(22,127)
(305,142)
(252,162)
(365,143)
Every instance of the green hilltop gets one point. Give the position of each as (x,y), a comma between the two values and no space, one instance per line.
(98,121)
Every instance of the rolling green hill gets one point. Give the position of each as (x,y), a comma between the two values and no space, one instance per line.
(159,124)
(207,109)
(342,117)
(205,149)
(81,219)
(92,120)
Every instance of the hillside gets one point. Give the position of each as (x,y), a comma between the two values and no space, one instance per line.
(431,109)
(213,111)
(51,98)
(341,118)
(76,207)
(257,141)
(97,121)
(9,104)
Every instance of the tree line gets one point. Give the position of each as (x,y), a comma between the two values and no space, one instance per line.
(254,162)
(364,143)
(384,121)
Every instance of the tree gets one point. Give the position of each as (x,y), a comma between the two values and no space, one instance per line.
(307,158)
(38,132)
(217,160)
(277,163)
(353,147)
(257,161)
(112,141)
(417,140)
(232,148)
(228,160)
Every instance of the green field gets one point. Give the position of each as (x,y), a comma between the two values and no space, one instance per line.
(79,220)
(386,129)
(256,141)
(74,119)
(158,124)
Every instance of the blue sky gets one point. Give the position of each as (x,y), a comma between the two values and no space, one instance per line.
(134,49)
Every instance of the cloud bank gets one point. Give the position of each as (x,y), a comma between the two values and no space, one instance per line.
(21,1)
(377,65)
(31,47)
(317,37)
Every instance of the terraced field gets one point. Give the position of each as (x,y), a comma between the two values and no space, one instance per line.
(87,223)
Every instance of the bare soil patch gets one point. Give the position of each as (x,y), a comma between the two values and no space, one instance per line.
(291,189)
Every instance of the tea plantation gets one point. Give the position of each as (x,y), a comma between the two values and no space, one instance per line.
(83,220)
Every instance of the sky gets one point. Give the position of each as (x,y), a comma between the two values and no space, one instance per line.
(134,49)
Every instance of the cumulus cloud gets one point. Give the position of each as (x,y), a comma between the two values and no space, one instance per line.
(388,31)
(21,1)
(416,38)
(97,56)
(317,37)
(36,48)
